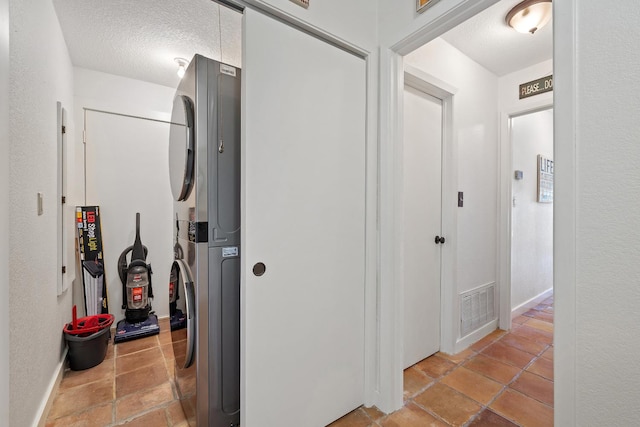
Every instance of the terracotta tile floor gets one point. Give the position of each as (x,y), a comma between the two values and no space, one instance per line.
(133,386)
(505,379)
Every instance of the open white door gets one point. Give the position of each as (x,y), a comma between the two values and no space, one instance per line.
(303,218)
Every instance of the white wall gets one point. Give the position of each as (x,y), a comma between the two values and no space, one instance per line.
(509,94)
(4,211)
(398,19)
(531,222)
(102,91)
(353,21)
(40,75)
(475,132)
(122,185)
(511,106)
(597,241)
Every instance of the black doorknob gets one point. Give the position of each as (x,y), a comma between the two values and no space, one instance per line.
(439,239)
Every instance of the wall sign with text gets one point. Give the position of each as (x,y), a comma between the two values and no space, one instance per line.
(536,87)
(545,179)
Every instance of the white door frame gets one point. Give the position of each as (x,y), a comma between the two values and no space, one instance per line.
(435,87)
(390,172)
(504,204)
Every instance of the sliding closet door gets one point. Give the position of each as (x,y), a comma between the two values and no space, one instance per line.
(303,195)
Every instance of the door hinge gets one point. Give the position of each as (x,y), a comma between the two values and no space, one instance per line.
(64,129)
(64,269)
(63,200)
(84,137)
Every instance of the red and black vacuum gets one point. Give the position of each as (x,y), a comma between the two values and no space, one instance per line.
(137,292)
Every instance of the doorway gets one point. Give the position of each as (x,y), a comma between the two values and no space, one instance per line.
(476,294)
(125,160)
(531,139)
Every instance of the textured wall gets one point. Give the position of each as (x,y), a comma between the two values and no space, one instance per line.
(475,124)
(607,214)
(40,75)
(4,211)
(531,222)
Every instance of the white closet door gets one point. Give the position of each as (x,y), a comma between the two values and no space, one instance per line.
(303,217)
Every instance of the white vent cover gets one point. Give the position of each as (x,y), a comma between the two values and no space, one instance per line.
(477,308)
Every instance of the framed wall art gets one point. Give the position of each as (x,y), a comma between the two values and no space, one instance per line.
(545,179)
(422,5)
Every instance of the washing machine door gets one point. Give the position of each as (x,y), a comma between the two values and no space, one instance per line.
(182,314)
(181,147)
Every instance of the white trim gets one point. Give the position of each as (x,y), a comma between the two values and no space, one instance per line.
(504,223)
(565,78)
(371,340)
(440,24)
(505,194)
(281,15)
(449,309)
(45,406)
(529,304)
(474,336)
(391,293)
(435,87)
(427,83)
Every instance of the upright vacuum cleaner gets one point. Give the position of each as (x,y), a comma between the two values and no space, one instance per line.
(137,292)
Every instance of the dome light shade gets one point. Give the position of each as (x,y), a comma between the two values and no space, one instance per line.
(182,65)
(529,16)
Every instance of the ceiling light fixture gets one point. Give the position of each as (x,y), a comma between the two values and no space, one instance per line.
(529,16)
(182,66)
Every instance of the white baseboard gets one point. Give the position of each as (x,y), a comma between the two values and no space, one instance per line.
(528,305)
(43,411)
(474,336)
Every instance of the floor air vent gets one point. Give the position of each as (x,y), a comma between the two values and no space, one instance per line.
(477,308)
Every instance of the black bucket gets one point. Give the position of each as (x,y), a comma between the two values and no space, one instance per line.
(88,339)
(87,352)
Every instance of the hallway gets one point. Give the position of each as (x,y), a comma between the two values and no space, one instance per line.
(505,379)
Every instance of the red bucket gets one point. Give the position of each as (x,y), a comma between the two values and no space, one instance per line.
(88,325)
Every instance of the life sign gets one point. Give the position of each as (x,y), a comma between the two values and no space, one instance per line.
(536,87)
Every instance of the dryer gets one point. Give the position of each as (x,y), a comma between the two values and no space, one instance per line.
(204,163)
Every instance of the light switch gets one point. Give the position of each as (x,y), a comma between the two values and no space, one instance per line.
(40,208)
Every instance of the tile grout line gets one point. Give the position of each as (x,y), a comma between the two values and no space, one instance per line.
(513,380)
(504,387)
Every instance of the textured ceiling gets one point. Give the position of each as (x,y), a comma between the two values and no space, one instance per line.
(490,42)
(140,38)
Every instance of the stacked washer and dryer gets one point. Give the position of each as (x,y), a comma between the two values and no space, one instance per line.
(204,163)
